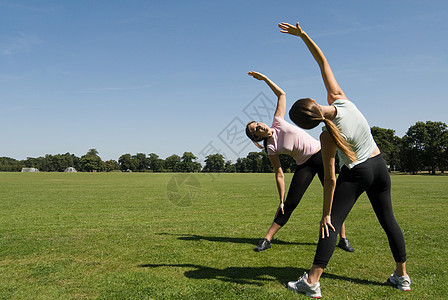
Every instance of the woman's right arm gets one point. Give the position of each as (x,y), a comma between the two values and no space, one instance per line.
(334,91)
(281,96)
(279,178)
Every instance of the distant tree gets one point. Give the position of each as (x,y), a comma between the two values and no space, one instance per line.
(266,166)
(444,154)
(8,164)
(172,163)
(156,164)
(141,162)
(189,164)
(50,163)
(111,165)
(242,165)
(70,160)
(229,167)
(31,162)
(254,162)
(214,163)
(423,147)
(127,163)
(91,162)
(288,163)
(389,145)
(437,144)
(410,155)
(92,152)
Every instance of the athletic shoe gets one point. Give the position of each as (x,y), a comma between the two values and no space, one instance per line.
(263,245)
(345,245)
(302,286)
(402,283)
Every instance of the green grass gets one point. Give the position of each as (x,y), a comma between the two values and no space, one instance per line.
(138,236)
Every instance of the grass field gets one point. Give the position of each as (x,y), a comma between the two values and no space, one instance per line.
(190,236)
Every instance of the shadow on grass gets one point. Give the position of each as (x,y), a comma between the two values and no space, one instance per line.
(223,239)
(253,275)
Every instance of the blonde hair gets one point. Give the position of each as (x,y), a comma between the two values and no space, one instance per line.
(307,114)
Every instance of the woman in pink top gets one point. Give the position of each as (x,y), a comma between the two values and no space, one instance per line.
(285,138)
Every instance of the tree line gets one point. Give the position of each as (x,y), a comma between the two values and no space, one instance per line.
(424,147)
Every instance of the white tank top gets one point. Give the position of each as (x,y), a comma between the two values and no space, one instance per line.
(355,129)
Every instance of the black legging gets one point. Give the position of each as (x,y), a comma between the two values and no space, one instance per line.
(372,177)
(303,176)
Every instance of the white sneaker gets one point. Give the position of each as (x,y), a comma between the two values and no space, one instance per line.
(302,286)
(402,283)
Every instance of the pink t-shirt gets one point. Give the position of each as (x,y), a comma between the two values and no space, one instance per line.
(291,140)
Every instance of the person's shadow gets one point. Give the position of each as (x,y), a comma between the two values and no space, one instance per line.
(246,275)
(252,275)
(223,239)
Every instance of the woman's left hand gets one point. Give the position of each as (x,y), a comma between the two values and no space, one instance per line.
(257,75)
(325,224)
(291,29)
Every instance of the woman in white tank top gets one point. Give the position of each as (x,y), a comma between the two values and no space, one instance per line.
(364,169)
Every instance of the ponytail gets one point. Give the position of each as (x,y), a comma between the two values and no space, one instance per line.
(339,140)
(307,114)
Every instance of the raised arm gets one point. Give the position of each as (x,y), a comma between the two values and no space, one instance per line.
(281,97)
(334,92)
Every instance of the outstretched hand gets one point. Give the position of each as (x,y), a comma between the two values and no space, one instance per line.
(257,75)
(325,225)
(291,29)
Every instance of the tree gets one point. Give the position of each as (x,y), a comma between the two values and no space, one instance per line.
(92,152)
(91,162)
(141,162)
(254,162)
(288,163)
(156,164)
(229,167)
(127,163)
(241,165)
(8,164)
(172,163)
(444,154)
(38,163)
(70,160)
(214,163)
(424,146)
(436,144)
(188,163)
(266,166)
(389,145)
(111,165)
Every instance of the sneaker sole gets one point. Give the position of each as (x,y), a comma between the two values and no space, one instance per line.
(397,286)
(298,292)
(259,250)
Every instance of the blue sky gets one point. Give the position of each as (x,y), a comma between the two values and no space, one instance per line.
(166,77)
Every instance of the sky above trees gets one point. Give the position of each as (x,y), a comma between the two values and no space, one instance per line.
(171,76)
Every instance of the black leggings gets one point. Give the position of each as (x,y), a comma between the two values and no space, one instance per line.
(303,176)
(372,177)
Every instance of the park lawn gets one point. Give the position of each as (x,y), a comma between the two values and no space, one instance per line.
(190,236)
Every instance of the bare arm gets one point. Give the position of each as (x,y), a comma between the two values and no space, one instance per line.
(334,92)
(279,178)
(281,97)
(328,158)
